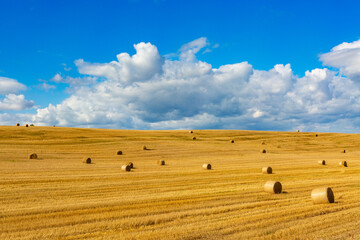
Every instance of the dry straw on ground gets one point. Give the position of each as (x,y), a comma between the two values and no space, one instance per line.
(343,163)
(267,170)
(130,164)
(126,168)
(87,160)
(322,195)
(119,152)
(273,187)
(33,156)
(161,162)
(206,166)
(263,151)
(322,162)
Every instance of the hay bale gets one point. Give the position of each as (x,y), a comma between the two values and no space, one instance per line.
(18,124)
(119,152)
(343,163)
(232,141)
(194,138)
(316,135)
(343,151)
(206,166)
(32,125)
(126,168)
(267,170)
(322,162)
(190,131)
(298,130)
(33,156)
(87,160)
(263,143)
(144,148)
(26,125)
(263,151)
(322,195)
(161,162)
(130,164)
(273,187)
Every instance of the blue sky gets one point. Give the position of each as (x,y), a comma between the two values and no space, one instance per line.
(41,41)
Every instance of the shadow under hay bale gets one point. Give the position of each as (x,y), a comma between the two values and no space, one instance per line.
(322,162)
(126,168)
(273,187)
(267,170)
(87,160)
(322,195)
(33,156)
(161,162)
(343,164)
(119,152)
(130,164)
(207,166)
(263,151)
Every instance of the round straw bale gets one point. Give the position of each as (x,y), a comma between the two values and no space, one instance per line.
(26,125)
(298,130)
(18,124)
(119,152)
(126,168)
(263,143)
(161,162)
(87,160)
(343,151)
(194,138)
(130,164)
(33,156)
(343,163)
(144,148)
(207,166)
(267,170)
(316,135)
(273,187)
(322,162)
(190,131)
(322,195)
(232,141)
(263,151)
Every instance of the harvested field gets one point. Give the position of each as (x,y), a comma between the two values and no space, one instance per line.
(59,197)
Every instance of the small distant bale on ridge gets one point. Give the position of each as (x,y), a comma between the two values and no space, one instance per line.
(126,168)
(144,147)
(87,160)
(26,125)
(18,124)
(32,125)
(316,135)
(33,156)
(267,170)
(190,131)
(161,162)
(343,151)
(232,141)
(343,163)
(263,151)
(206,166)
(322,195)
(194,138)
(119,152)
(322,162)
(273,187)
(298,130)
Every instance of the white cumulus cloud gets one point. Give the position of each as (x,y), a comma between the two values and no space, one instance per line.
(8,85)
(15,102)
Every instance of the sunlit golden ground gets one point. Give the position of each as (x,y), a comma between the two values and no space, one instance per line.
(59,197)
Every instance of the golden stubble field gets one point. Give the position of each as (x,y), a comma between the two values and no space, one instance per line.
(59,197)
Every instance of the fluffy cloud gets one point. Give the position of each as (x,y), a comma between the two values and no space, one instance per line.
(345,57)
(8,85)
(12,101)
(146,91)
